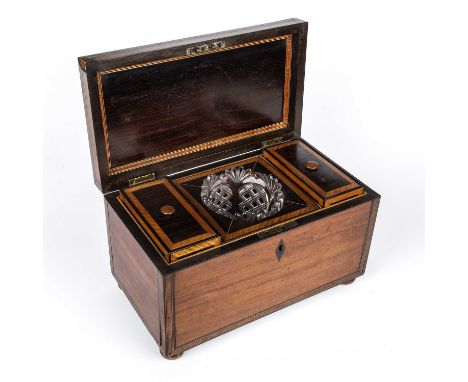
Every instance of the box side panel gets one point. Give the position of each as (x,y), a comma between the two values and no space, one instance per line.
(90,126)
(226,292)
(370,232)
(136,275)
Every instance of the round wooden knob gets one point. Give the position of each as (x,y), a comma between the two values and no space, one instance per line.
(311,165)
(167,209)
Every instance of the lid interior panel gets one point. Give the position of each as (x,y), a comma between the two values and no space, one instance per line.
(158,110)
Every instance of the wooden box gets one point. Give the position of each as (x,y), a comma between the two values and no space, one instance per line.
(218,213)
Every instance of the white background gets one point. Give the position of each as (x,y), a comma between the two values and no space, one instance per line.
(383,81)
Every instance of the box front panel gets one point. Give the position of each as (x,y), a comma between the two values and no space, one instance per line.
(228,291)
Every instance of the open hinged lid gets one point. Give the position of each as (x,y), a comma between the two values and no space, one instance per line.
(157,106)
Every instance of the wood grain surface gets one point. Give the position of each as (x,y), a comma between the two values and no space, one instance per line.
(216,294)
(135,273)
(152,109)
(90,128)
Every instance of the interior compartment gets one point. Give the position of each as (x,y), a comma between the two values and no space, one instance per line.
(296,202)
(193,213)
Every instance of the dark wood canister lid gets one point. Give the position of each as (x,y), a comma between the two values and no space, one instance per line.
(169,221)
(326,180)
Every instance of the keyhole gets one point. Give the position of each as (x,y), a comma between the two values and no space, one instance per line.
(280,249)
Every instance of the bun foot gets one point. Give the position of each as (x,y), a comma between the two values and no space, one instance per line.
(348,282)
(172,356)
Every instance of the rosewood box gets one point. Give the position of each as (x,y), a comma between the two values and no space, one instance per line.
(218,212)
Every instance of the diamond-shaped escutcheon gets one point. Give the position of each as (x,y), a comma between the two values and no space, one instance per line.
(280,250)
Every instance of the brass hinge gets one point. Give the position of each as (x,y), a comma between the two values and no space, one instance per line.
(142,179)
(271,142)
